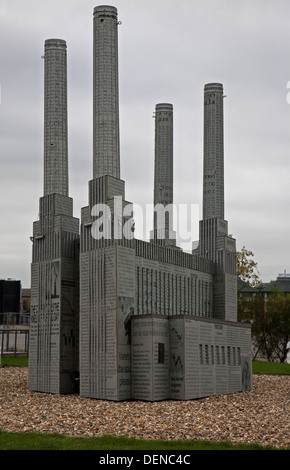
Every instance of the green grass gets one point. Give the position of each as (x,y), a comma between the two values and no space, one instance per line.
(14,361)
(259,367)
(35,441)
(276,368)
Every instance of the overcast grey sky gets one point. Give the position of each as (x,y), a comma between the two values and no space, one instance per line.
(168,51)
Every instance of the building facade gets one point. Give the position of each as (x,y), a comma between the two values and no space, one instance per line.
(53,342)
(10,301)
(154,322)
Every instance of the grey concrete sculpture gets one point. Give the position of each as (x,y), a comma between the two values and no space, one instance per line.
(53,343)
(155,322)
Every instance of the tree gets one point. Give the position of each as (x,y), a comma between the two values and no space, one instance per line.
(249,281)
(276,326)
(247,268)
(269,314)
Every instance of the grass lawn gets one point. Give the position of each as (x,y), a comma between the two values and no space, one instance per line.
(14,361)
(276,368)
(35,441)
(259,367)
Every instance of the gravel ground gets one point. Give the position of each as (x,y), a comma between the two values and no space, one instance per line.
(261,415)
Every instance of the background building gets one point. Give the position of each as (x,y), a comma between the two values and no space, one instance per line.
(10,301)
(25,306)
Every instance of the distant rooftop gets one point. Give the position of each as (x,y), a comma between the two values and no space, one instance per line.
(283,276)
(282,282)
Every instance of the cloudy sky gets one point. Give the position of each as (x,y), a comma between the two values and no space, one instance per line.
(168,51)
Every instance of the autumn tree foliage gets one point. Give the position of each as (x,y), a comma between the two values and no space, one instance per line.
(247,268)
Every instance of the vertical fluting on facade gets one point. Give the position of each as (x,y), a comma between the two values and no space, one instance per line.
(53,340)
(215,243)
(106,145)
(213,174)
(163,174)
(213,170)
(107,266)
(55,118)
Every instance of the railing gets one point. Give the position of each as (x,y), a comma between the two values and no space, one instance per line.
(14,341)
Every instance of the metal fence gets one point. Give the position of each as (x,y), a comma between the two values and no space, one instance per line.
(14,341)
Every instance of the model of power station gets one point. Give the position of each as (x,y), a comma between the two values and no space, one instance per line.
(117,318)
